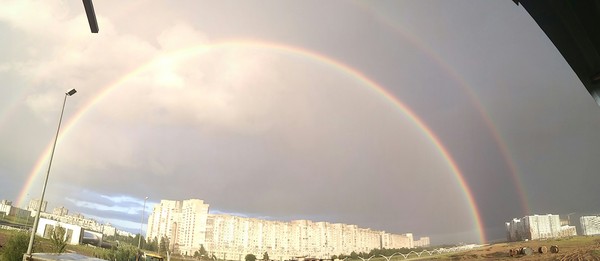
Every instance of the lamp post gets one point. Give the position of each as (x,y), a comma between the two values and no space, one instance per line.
(142,223)
(39,209)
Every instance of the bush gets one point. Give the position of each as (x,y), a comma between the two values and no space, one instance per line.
(16,247)
(58,240)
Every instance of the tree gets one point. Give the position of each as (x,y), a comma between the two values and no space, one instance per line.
(142,242)
(15,247)
(250,257)
(58,239)
(334,257)
(266,256)
(125,252)
(152,245)
(354,255)
(202,252)
(163,247)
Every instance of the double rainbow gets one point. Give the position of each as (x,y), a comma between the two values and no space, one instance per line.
(37,170)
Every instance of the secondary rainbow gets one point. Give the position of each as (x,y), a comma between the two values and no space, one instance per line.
(464,85)
(287,49)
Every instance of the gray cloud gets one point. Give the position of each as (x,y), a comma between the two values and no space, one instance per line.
(270,133)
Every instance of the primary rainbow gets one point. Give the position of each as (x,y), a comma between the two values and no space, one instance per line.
(194,50)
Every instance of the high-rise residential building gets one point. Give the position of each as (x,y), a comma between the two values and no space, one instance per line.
(590,225)
(162,220)
(422,242)
(192,226)
(35,203)
(62,211)
(188,226)
(537,227)
(231,237)
(395,241)
(183,223)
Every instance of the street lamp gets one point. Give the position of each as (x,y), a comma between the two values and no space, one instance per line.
(39,209)
(142,223)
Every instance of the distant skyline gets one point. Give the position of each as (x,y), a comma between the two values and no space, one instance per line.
(391,115)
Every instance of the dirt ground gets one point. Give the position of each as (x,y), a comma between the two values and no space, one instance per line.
(575,248)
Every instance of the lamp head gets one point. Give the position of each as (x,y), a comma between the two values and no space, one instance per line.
(71,92)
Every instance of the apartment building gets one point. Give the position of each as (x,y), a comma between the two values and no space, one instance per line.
(188,226)
(231,237)
(537,227)
(61,211)
(590,225)
(182,222)
(394,241)
(422,242)
(35,203)
(162,220)
(192,226)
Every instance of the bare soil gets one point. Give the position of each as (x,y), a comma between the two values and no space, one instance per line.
(575,248)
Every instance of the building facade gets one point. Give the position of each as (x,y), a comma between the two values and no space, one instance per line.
(422,242)
(231,238)
(182,222)
(35,203)
(188,226)
(395,241)
(62,211)
(162,221)
(192,226)
(537,227)
(590,225)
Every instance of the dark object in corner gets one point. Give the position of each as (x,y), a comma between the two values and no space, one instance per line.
(91,15)
(573,27)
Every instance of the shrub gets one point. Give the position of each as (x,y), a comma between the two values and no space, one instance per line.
(16,247)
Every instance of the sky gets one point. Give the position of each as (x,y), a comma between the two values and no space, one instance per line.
(437,118)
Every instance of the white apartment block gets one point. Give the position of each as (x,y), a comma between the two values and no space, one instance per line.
(590,225)
(182,222)
(537,227)
(395,241)
(188,225)
(162,219)
(422,242)
(232,238)
(35,203)
(62,211)
(192,226)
